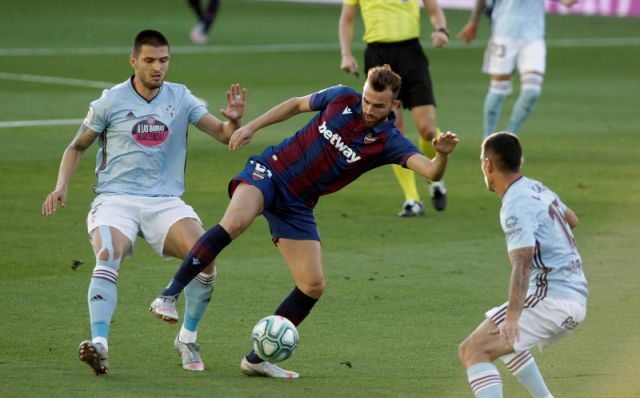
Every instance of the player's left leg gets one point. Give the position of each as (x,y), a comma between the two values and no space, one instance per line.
(180,239)
(412,205)
(524,368)
(476,354)
(531,87)
(424,117)
(200,32)
(304,258)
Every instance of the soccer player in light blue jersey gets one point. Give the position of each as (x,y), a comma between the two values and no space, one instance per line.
(548,290)
(141,127)
(517,41)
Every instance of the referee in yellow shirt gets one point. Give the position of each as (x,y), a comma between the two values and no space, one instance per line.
(392,32)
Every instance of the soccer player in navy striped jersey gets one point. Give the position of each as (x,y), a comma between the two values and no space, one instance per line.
(548,290)
(350,135)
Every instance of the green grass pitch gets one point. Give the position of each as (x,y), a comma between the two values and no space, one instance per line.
(402,293)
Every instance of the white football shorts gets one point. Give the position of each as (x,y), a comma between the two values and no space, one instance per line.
(504,54)
(549,320)
(147,216)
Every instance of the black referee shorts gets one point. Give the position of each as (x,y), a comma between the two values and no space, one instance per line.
(407,59)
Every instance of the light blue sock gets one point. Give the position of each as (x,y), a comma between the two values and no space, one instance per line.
(485,380)
(102,298)
(522,108)
(493,102)
(197,296)
(523,366)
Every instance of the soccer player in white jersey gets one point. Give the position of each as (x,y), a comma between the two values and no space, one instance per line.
(141,126)
(547,291)
(517,41)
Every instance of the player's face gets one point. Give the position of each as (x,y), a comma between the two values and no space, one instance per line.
(377,105)
(151,65)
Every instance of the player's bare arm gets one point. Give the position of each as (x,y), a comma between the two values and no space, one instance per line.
(433,169)
(348,62)
(222,131)
(470,30)
(571,217)
(284,111)
(440,34)
(68,165)
(521,260)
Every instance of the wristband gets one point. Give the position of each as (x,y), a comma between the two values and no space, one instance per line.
(444,30)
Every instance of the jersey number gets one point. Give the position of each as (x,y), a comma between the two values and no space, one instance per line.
(558,218)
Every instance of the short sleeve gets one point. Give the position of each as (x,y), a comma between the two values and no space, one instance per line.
(322,98)
(195,108)
(97,117)
(519,223)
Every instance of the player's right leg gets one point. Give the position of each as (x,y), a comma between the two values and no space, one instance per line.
(110,246)
(499,89)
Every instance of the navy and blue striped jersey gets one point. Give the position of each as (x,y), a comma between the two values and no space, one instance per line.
(334,148)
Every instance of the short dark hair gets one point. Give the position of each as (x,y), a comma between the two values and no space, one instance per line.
(149,37)
(382,77)
(504,149)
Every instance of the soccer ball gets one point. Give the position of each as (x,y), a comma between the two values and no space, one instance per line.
(274,338)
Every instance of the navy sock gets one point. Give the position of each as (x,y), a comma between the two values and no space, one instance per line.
(200,256)
(295,308)
(212,11)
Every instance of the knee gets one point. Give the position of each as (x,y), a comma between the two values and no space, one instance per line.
(314,288)
(465,351)
(427,130)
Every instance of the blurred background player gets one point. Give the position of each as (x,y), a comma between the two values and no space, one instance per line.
(141,126)
(349,135)
(517,41)
(392,34)
(200,32)
(547,291)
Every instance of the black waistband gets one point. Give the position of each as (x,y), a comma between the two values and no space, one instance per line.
(395,44)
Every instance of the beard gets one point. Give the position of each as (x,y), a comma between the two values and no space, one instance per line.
(372,121)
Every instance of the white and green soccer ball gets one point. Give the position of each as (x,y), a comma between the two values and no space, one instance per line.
(274,338)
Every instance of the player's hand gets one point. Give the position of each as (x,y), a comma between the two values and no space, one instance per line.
(469,32)
(439,39)
(236,101)
(349,64)
(51,201)
(445,142)
(241,137)
(509,331)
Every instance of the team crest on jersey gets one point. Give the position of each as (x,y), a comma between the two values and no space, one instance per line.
(150,132)
(259,171)
(369,139)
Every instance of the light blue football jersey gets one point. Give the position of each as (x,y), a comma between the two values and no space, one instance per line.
(143,144)
(518,19)
(533,216)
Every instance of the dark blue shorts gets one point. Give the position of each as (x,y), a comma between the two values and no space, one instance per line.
(288,217)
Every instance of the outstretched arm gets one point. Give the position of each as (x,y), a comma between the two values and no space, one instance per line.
(440,35)
(433,169)
(470,30)
(221,131)
(345,33)
(68,166)
(284,111)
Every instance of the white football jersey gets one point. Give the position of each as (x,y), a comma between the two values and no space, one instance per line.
(143,144)
(533,216)
(518,19)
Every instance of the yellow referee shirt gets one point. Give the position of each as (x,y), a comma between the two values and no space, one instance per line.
(389,21)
